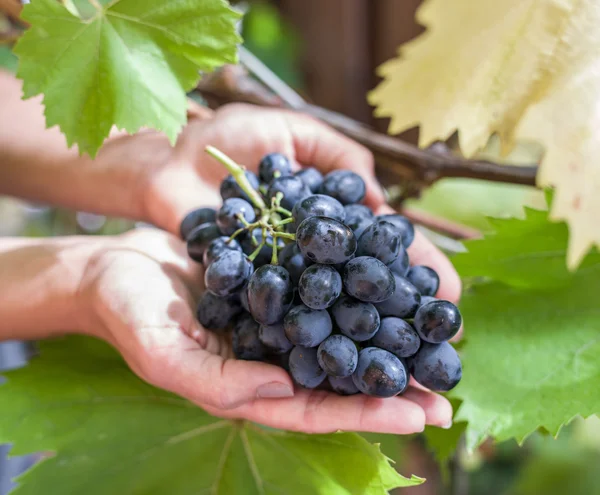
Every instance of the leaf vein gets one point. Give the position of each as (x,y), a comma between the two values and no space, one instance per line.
(252,462)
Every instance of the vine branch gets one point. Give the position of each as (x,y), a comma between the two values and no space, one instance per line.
(12,8)
(398,161)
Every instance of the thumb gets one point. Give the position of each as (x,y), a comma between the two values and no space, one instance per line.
(177,191)
(325,148)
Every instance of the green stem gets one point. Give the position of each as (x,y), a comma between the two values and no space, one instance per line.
(238,174)
(236,233)
(285,235)
(254,254)
(283,211)
(284,222)
(247,226)
(274,259)
(242,219)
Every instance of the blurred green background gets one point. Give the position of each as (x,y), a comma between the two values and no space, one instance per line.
(271,31)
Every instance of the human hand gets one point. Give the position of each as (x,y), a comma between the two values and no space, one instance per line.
(138,293)
(189,178)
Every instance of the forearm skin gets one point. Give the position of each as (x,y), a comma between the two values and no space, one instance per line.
(39,286)
(35,163)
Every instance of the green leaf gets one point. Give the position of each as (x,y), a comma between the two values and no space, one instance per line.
(444,443)
(392,446)
(478,200)
(557,467)
(512,68)
(530,358)
(8,60)
(129,65)
(526,253)
(109,432)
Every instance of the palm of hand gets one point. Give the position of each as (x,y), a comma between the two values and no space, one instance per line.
(143,289)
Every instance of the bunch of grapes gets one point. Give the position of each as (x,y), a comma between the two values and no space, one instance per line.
(310,279)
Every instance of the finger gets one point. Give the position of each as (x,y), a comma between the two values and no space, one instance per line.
(423,252)
(318,144)
(149,312)
(320,411)
(216,381)
(438,411)
(176,190)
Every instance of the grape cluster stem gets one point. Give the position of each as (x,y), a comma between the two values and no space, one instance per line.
(271,219)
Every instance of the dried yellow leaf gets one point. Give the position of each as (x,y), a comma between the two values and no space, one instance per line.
(524,69)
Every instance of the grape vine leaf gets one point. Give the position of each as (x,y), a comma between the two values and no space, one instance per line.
(528,252)
(109,432)
(520,68)
(129,65)
(443,443)
(556,467)
(531,357)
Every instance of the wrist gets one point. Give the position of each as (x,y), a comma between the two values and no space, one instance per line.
(40,283)
(125,167)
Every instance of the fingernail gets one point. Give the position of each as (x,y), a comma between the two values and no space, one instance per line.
(448,425)
(274,390)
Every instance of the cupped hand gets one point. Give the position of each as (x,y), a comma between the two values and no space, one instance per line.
(189,178)
(141,289)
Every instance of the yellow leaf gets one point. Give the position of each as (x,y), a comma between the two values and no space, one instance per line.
(524,69)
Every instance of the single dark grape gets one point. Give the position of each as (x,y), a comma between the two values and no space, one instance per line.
(368,279)
(343,386)
(266,252)
(379,373)
(338,356)
(200,238)
(355,319)
(270,294)
(227,216)
(345,186)
(273,336)
(340,266)
(216,313)
(304,367)
(402,263)
(403,303)
(245,342)
(292,260)
(381,240)
(217,247)
(358,216)
(425,279)
(229,273)
(436,366)
(195,218)
(437,321)
(281,360)
(292,188)
(274,165)
(307,327)
(324,240)
(320,286)
(360,229)
(311,177)
(231,189)
(244,299)
(318,205)
(403,225)
(427,299)
(397,336)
